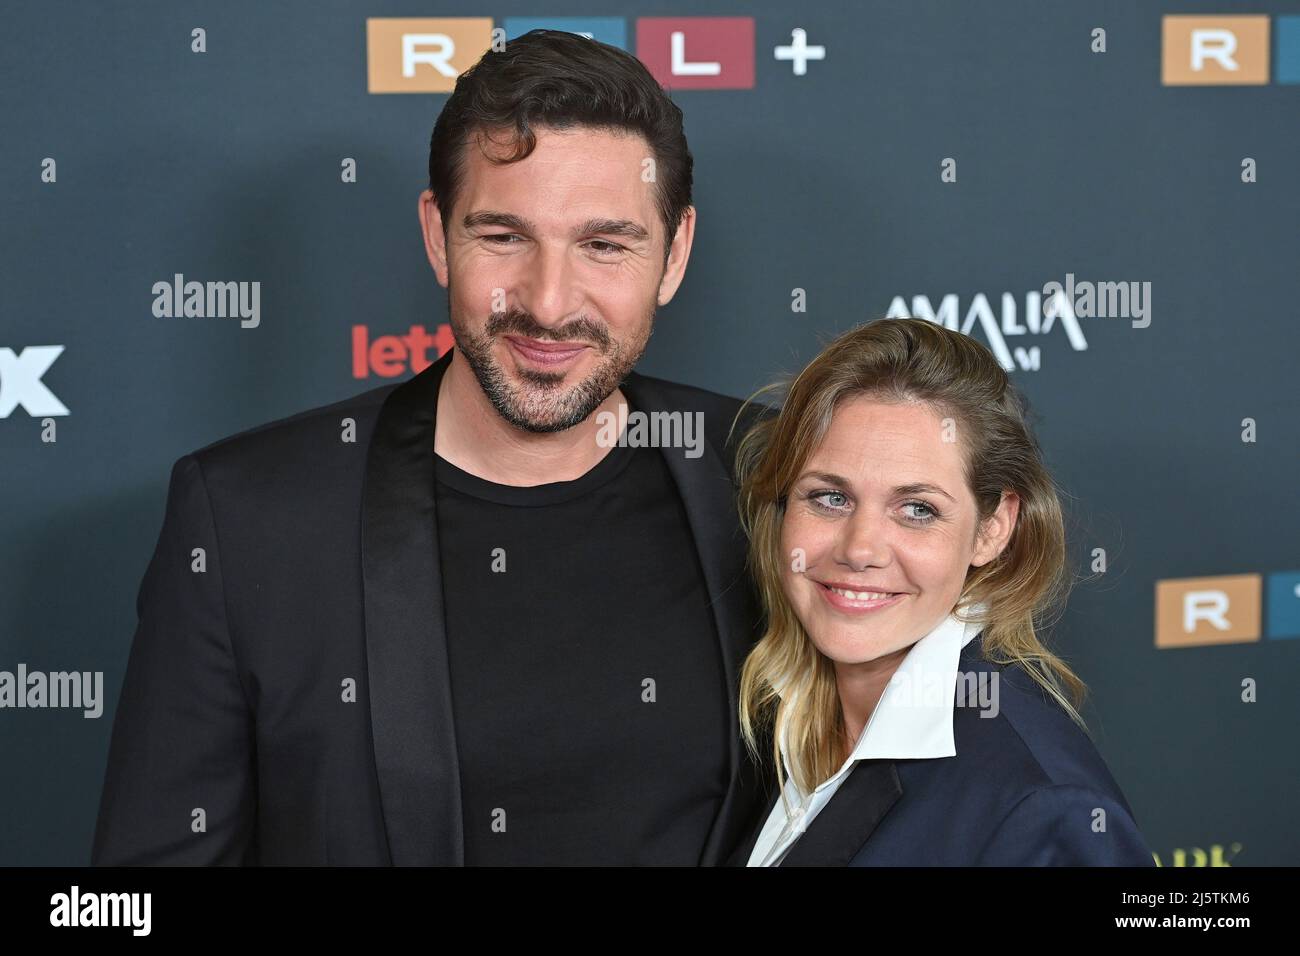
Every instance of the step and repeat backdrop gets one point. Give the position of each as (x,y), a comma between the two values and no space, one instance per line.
(1105,193)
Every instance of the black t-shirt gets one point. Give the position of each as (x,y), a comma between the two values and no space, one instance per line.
(587,686)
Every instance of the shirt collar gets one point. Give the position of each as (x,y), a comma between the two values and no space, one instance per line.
(913,719)
(914,716)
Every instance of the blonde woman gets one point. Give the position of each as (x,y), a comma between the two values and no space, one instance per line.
(907,542)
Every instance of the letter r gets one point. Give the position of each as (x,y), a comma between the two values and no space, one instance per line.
(1217,45)
(446,49)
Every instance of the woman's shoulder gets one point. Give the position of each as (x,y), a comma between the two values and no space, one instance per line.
(1057,799)
(1001,705)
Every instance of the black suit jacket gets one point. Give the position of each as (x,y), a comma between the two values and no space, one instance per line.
(288,683)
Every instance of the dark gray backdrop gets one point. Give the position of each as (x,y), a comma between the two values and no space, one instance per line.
(225,165)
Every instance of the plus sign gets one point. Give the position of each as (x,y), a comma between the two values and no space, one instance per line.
(800,52)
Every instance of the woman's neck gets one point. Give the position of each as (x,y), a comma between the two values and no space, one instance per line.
(860,688)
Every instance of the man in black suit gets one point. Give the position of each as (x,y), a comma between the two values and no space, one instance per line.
(488,615)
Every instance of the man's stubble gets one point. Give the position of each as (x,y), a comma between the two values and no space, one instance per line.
(542,403)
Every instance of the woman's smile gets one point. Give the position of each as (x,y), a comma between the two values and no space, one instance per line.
(858,601)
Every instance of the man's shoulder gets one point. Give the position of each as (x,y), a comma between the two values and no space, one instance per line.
(682,394)
(304,440)
(720,411)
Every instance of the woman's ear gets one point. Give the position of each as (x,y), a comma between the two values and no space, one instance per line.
(995,530)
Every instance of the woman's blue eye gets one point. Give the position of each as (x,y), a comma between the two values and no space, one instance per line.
(837,501)
(930,515)
(816,497)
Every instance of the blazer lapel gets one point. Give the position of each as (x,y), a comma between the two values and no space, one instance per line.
(869,792)
(708,495)
(838,832)
(745,849)
(406,645)
(406,642)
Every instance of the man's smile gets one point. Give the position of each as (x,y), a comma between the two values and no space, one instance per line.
(549,354)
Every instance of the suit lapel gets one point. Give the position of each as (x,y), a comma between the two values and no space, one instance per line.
(708,495)
(839,831)
(745,849)
(869,792)
(406,642)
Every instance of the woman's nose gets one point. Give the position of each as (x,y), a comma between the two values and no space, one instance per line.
(862,541)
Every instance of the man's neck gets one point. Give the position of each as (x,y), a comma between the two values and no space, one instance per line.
(473,436)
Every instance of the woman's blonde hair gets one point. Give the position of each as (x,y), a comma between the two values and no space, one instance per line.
(786,683)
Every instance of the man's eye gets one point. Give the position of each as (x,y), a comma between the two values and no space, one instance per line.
(501,235)
(609,248)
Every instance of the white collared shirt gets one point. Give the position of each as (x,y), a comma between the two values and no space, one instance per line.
(912,720)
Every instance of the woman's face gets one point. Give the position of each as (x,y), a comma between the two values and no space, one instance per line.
(882,509)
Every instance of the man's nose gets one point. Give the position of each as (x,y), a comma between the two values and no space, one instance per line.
(547,291)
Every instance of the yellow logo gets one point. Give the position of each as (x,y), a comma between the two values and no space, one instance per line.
(1197,611)
(1214,51)
(423,55)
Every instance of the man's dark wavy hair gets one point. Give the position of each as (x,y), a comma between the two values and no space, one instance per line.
(560,80)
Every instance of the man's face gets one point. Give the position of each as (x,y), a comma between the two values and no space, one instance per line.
(553,266)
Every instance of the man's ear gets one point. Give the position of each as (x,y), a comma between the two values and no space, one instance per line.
(435,240)
(995,530)
(678,253)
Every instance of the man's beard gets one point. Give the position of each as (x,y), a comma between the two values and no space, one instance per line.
(542,404)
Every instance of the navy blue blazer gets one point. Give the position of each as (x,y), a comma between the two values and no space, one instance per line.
(1023,790)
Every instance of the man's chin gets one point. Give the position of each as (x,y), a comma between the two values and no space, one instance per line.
(524,376)
(549,405)
(541,400)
